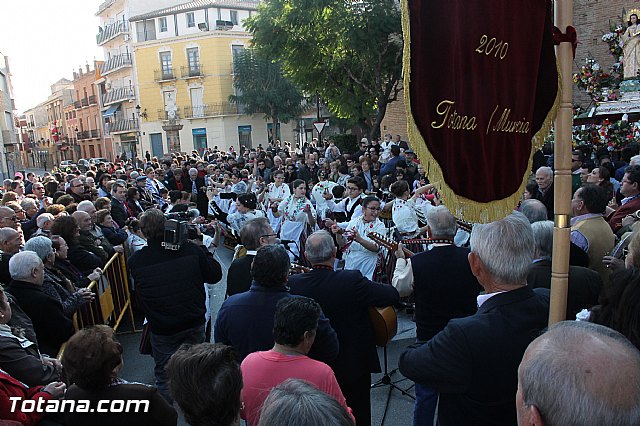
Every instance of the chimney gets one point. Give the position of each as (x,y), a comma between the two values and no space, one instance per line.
(80,71)
(75,75)
(88,69)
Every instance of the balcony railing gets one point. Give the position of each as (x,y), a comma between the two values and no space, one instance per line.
(122,125)
(166,116)
(164,74)
(116,62)
(111,31)
(213,110)
(192,71)
(117,95)
(93,100)
(85,102)
(89,134)
(77,104)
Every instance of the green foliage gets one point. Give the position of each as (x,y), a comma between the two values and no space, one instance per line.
(346,143)
(262,88)
(350,52)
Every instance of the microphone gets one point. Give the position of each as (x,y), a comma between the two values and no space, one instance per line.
(287,242)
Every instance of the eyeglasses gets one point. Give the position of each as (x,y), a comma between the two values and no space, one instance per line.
(13,218)
(373,209)
(77,186)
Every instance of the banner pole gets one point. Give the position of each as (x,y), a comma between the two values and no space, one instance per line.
(562,162)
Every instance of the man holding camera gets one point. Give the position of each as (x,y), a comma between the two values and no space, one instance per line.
(170,287)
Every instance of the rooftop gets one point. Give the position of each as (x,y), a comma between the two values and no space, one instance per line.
(197,5)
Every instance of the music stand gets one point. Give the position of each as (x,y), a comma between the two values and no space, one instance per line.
(385,380)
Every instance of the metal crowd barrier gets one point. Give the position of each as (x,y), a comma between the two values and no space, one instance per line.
(112,301)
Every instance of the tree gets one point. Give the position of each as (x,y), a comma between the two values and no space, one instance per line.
(350,52)
(262,88)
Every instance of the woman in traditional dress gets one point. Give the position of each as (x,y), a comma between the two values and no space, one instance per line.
(299,217)
(360,252)
(631,46)
(246,210)
(274,193)
(321,192)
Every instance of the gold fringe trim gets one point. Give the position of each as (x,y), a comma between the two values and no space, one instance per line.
(462,207)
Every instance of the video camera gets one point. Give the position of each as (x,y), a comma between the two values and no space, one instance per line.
(177,229)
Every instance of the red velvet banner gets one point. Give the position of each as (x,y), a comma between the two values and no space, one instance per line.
(482,81)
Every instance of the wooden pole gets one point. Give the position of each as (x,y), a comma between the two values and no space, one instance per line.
(562,163)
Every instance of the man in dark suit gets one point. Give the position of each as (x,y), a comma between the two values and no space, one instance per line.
(584,283)
(473,361)
(443,287)
(345,297)
(254,234)
(51,325)
(245,320)
(544,179)
(195,185)
(118,210)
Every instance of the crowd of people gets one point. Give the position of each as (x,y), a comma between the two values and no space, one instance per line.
(319,237)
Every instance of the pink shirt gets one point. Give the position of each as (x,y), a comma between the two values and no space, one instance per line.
(262,371)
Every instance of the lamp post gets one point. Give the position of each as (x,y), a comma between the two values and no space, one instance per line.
(75,142)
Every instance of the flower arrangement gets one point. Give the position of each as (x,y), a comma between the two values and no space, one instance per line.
(597,83)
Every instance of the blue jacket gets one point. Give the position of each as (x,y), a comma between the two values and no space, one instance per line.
(390,167)
(245,321)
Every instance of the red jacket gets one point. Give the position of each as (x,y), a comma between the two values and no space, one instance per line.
(11,387)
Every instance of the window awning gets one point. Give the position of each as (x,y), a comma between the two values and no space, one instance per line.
(111,110)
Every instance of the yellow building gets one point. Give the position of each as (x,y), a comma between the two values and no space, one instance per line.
(183,61)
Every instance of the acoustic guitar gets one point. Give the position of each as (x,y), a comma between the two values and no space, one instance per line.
(385,324)
(384,321)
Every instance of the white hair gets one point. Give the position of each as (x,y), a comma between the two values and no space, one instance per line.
(84,206)
(579,373)
(40,245)
(22,264)
(42,220)
(543,237)
(635,160)
(546,170)
(505,247)
(319,247)
(441,222)
(28,203)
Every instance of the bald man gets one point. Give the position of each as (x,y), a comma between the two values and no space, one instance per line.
(10,244)
(579,373)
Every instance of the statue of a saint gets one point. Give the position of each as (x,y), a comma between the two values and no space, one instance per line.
(631,46)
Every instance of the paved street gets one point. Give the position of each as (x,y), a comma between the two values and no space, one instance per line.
(139,368)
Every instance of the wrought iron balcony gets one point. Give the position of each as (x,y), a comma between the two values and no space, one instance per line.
(213,110)
(111,31)
(85,102)
(89,134)
(192,71)
(115,63)
(77,104)
(93,100)
(122,125)
(117,95)
(164,74)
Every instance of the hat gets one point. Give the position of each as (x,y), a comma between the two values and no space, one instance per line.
(409,151)
(19,175)
(134,175)
(141,178)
